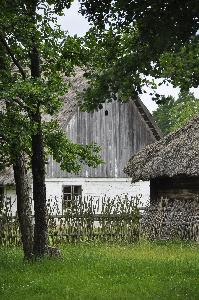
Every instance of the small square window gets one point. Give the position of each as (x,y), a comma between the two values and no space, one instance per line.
(69,193)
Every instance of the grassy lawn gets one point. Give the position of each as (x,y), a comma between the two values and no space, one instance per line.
(145,271)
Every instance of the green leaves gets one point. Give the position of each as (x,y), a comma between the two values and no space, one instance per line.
(15,131)
(162,114)
(163,23)
(73,53)
(28,29)
(59,5)
(185,108)
(172,114)
(117,66)
(31,93)
(132,40)
(186,62)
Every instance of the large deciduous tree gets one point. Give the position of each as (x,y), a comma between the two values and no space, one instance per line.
(13,147)
(38,56)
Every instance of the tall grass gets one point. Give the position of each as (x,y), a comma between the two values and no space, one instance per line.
(87,271)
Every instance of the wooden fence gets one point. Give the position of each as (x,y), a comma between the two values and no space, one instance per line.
(119,220)
(87,219)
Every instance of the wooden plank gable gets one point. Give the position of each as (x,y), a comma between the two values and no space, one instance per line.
(119,128)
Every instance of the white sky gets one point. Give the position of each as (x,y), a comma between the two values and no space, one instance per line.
(75,23)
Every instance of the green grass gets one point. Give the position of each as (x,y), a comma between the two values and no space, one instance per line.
(144,271)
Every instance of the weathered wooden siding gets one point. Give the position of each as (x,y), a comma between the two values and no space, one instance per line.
(120,134)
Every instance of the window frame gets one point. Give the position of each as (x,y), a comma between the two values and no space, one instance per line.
(66,203)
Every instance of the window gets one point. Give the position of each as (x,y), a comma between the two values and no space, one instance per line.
(69,193)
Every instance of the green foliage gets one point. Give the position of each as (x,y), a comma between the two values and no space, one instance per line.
(162,114)
(15,131)
(29,28)
(186,107)
(130,42)
(172,114)
(152,18)
(34,92)
(73,53)
(184,61)
(116,63)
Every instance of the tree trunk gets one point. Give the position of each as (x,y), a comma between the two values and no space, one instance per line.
(22,191)
(38,156)
(39,192)
(23,205)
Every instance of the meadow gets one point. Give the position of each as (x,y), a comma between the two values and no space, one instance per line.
(98,271)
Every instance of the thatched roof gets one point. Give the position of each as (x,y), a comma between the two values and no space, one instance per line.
(175,154)
(70,100)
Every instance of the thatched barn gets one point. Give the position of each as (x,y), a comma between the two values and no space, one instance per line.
(119,128)
(171,164)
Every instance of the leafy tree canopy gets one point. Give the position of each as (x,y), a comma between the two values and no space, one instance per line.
(182,66)
(171,21)
(172,114)
(133,40)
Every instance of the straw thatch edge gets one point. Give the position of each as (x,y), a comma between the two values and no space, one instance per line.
(176,154)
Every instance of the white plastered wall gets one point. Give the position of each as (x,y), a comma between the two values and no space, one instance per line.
(99,187)
(95,187)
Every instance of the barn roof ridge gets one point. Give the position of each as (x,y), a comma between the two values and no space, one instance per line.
(146,115)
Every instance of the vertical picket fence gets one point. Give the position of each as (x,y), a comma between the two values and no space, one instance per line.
(82,219)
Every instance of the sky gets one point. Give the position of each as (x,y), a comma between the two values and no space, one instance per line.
(75,23)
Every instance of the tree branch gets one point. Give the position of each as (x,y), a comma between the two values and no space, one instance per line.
(15,61)
(20,103)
